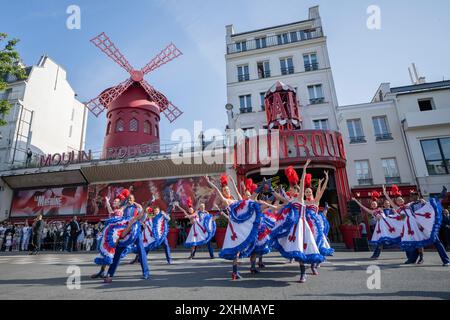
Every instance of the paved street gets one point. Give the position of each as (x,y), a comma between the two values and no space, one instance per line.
(344,276)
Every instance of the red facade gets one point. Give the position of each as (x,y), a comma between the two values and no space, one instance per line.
(132,120)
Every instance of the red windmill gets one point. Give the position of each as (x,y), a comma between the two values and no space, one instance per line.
(134,106)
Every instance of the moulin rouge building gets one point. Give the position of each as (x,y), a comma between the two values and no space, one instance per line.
(280,78)
(280,94)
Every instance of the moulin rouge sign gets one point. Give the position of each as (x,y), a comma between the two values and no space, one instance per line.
(65,158)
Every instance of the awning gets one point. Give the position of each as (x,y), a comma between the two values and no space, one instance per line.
(47,179)
(142,170)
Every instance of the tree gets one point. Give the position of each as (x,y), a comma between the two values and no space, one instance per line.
(9,65)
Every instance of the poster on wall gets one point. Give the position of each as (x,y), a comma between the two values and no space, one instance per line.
(50,202)
(165,192)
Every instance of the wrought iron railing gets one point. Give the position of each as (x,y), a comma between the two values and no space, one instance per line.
(384,137)
(393,180)
(243,77)
(360,139)
(275,40)
(317,100)
(311,66)
(217,143)
(365,182)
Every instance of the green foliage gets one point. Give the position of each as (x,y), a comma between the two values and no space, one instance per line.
(172,223)
(221,222)
(9,65)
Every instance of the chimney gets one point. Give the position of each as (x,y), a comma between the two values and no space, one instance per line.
(229,32)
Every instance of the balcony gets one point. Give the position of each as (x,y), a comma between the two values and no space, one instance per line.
(355,140)
(285,71)
(243,77)
(317,100)
(384,137)
(432,118)
(272,41)
(311,67)
(246,110)
(393,180)
(365,182)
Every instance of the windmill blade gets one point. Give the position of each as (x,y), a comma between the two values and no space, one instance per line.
(172,112)
(97,105)
(165,106)
(167,54)
(104,43)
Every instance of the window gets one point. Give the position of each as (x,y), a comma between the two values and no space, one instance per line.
(108,128)
(243,74)
(294,36)
(391,172)
(133,125)
(73,114)
(241,46)
(381,128)
(147,127)
(310,62)
(156,131)
(437,155)
(321,124)
(120,125)
(363,174)
(260,43)
(355,131)
(287,66)
(263,69)
(283,38)
(306,34)
(315,94)
(426,104)
(262,96)
(70,131)
(245,103)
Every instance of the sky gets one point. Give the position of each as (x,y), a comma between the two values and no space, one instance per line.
(361,59)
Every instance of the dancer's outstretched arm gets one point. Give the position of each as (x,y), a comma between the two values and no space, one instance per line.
(186,215)
(108,205)
(389,198)
(279,197)
(268,205)
(235,187)
(302,180)
(363,207)
(322,187)
(212,185)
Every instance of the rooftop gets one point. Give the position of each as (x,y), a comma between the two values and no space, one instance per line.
(273,27)
(421,87)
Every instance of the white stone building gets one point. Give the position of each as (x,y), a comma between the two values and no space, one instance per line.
(46,118)
(376,153)
(294,53)
(424,113)
(402,136)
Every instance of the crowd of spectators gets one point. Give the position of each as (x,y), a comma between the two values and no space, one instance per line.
(54,236)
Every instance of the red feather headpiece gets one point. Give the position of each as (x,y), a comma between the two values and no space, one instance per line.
(308,180)
(189,202)
(124,194)
(291,175)
(375,195)
(224,180)
(250,186)
(396,191)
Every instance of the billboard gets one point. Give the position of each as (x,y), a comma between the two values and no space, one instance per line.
(49,202)
(165,191)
